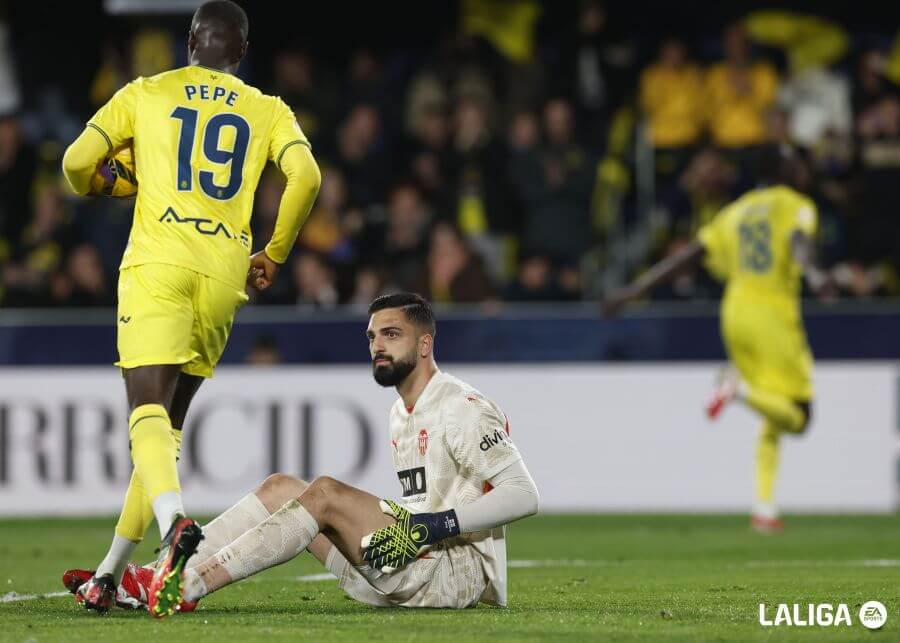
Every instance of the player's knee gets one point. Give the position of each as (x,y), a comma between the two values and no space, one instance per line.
(327,491)
(278,489)
(806,410)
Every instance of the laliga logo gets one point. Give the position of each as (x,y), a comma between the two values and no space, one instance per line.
(872,615)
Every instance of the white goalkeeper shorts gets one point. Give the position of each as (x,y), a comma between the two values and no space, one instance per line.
(450,577)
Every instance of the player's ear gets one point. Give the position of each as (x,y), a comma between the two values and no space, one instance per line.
(426,345)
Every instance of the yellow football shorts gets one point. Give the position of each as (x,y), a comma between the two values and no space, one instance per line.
(173,315)
(766,342)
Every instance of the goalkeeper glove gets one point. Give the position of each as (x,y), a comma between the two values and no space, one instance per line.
(397,545)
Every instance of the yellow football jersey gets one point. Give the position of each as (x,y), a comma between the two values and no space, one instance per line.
(748,244)
(201,140)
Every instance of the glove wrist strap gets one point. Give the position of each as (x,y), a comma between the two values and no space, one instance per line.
(443,524)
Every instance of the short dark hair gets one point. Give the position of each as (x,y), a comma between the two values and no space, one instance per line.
(227,12)
(416,308)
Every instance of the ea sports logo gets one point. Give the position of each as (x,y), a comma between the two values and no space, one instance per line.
(873,615)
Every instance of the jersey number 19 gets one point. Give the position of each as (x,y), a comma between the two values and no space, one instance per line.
(212,152)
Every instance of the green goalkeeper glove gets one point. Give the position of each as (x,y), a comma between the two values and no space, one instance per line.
(397,545)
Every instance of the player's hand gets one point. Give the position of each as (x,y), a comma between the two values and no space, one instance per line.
(397,545)
(262,271)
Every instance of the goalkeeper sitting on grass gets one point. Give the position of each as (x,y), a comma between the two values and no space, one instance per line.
(442,545)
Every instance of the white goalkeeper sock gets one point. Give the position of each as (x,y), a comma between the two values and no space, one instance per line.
(279,538)
(194,587)
(116,558)
(245,514)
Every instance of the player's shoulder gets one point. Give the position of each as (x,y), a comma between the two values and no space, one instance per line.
(462,403)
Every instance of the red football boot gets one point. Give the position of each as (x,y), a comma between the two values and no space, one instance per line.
(726,390)
(132,592)
(98,593)
(167,586)
(766,525)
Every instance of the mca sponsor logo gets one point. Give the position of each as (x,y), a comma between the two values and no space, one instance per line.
(204,226)
(413,481)
(491,439)
(872,615)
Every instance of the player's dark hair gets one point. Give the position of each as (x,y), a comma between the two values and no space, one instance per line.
(416,308)
(780,164)
(226,12)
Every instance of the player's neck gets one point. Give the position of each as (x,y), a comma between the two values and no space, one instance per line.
(411,388)
(214,64)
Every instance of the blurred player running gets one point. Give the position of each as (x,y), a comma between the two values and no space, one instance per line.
(201,139)
(760,245)
(442,545)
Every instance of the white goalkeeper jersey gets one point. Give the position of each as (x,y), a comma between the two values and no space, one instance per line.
(445,450)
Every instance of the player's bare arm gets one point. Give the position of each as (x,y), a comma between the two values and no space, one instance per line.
(804,251)
(662,272)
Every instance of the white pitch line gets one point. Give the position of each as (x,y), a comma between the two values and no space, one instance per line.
(874,562)
(14,597)
(558,563)
(311,578)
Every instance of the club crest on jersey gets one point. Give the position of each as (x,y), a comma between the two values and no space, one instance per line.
(423,441)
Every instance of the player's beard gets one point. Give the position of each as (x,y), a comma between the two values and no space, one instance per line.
(395,371)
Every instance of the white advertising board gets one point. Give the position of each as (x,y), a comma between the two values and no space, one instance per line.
(596,438)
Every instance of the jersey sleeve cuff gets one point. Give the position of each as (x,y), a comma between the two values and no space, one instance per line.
(274,256)
(284,149)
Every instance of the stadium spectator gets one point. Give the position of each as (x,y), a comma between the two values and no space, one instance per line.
(454,274)
(404,244)
(325,230)
(312,98)
(314,282)
(83,283)
(362,155)
(555,184)
(739,91)
(671,95)
(40,250)
(595,70)
(431,161)
(535,281)
(264,352)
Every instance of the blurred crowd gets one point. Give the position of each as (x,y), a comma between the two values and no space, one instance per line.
(505,163)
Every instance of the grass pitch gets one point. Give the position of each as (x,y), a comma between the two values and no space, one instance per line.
(649,578)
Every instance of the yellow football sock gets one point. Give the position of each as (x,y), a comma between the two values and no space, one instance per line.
(778,409)
(137,512)
(153,450)
(766,462)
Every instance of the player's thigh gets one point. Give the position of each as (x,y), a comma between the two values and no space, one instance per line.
(186,387)
(346,514)
(155,316)
(215,306)
(786,359)
(741,345)
(447,577)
